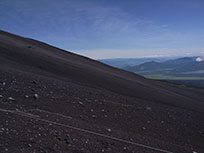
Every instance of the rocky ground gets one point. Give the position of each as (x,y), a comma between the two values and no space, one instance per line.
(40,114)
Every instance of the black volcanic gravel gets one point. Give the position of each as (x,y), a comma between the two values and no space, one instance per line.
(100,111)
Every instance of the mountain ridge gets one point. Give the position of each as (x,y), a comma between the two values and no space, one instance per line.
(170,67)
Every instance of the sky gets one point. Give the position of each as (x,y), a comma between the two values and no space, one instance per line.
(110,28)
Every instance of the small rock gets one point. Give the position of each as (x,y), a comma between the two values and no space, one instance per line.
(66,141)
(1,96)
(148,108)
(81,103)
(94,116)
(26,96)
(11,98)
(36,96)
(29,145)
(109,130)
(4,83)
(34,82)
(144,128)
(60,139)
(87,141)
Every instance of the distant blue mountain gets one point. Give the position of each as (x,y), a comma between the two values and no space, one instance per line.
(123,62)
(186,66)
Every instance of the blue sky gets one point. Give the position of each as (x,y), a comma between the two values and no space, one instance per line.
(110,28)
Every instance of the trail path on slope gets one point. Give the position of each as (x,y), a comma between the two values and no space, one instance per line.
(36,117)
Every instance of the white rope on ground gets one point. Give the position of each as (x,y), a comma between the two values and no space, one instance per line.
(26,114)
(40,110)
(84,130)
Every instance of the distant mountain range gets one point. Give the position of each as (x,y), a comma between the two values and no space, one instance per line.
(181,67)
(123,62)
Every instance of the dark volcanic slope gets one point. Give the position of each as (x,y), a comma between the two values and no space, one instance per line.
(68,103)
(31,56)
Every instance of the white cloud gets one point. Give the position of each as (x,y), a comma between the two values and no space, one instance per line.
(138,53)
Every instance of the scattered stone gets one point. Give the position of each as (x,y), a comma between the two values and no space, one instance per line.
(94,116)
(34,82)
(11,99)
(87,141)
(109,130)
(148,108)
(81,103)
(29,145)
(66,141)
(36,96)
(58,138)
(144,128)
